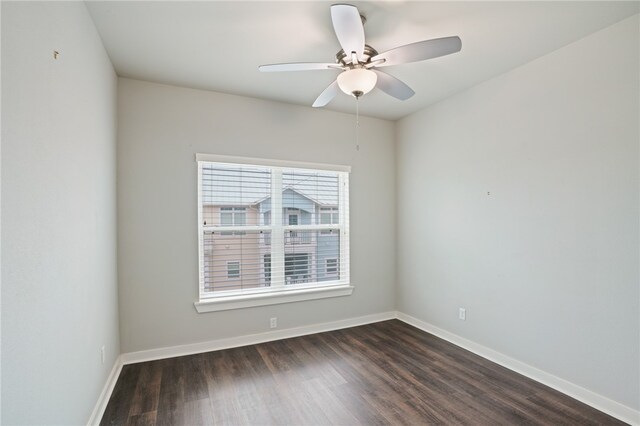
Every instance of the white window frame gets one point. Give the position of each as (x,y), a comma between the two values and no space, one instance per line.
(278,292)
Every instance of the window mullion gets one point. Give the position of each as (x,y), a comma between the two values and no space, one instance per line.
(277,233)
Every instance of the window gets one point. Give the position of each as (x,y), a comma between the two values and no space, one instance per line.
(328,216)
(292,220)
(267,269)
(296,268)
(287,225)
(230,216)
(233,216)
(331,267)
(233,269)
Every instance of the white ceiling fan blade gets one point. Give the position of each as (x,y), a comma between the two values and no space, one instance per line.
(298,66)
(326,95)
(419,51)
(348,27)
(393,87)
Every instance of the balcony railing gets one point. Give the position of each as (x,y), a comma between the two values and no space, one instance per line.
(297,279)
(297,237)
(293,237)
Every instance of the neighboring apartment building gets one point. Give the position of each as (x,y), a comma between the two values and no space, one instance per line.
(242,259)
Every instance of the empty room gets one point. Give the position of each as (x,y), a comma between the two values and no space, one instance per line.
(320,213)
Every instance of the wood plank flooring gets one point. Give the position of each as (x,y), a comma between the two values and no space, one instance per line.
(377,374)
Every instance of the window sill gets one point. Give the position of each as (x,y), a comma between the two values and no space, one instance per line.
(274,298)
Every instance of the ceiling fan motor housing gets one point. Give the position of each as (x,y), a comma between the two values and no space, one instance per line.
(345,60)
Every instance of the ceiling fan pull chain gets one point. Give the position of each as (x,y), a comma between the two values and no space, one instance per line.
(357,124)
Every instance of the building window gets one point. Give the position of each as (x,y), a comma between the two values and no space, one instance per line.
(329,216)
(297,268)
(292,220)
(287,226)
(233,216)
(331,267)
(267,269)
(233,270)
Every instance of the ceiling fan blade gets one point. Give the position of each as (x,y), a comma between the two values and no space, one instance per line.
(327,94)
(419,51)
(298,66)
(348,27)
(393,87)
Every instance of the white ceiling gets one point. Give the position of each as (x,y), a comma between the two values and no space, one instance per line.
(219,45)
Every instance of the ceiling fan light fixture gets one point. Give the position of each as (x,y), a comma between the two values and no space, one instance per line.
(357,81)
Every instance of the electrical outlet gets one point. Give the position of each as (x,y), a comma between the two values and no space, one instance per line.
(102,354)
(462,314)
(273,322)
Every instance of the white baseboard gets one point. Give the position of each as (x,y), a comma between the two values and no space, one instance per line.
(586,396)
(105,395)
(251,339)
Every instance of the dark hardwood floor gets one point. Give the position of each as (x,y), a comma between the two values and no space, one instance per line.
(382,373)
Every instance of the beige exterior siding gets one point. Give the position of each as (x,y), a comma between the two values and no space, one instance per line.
(222,248)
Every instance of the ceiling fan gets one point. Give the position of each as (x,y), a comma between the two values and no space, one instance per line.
(359,61)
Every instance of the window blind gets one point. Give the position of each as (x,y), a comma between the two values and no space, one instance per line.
(268,228)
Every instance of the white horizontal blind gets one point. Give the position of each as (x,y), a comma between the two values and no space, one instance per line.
(267,228)
(312,229)
(233,238)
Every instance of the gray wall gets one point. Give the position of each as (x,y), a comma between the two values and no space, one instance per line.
(160,128)
(59,291)
(518,199)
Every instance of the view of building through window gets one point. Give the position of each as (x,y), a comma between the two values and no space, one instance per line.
(240,240)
